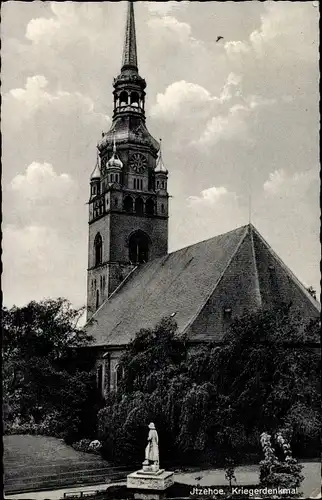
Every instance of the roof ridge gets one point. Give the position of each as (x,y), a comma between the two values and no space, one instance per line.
(288,271)
(258,288)
(220,277)
(208,239)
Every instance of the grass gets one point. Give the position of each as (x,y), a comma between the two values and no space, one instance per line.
(40,462)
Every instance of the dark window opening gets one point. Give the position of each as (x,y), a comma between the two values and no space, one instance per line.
(139,247)
(158,184)
(227,312)
(123,99)
(134,183)
(162,208)
(98,247)
(139,206)
(135,99)
(97,299)
(128,204)
(149,207)
(119,375)
(99,374)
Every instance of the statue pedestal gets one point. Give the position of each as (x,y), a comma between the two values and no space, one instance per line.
(149,484)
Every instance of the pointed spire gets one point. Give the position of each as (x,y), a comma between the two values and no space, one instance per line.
(96,174)
(114,161)
(129,50)
(160,168)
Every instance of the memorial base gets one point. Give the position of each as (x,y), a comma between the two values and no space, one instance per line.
(149,484)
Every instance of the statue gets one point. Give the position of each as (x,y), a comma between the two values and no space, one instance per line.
(152,449)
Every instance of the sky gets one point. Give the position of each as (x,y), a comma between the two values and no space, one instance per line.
(238,119)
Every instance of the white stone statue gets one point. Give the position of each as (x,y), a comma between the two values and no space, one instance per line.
(152,449)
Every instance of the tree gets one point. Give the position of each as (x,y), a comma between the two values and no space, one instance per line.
(47,370)
(214,401)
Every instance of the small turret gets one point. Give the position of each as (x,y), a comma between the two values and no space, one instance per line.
(95,179)
(161,173)
(114,166)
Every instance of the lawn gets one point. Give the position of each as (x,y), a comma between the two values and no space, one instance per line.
(39,462)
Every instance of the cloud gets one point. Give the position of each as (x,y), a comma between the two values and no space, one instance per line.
(35,96)
(215,210)
(41,182)
(210,196)
(180,98)
(40,262)
(45,197)
(246,107)
(230,127)
(280,183)
(163,8)
(172,29)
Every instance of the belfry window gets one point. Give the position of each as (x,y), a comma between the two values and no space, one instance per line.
(139,206)
(128,204)
(149,207)
(139,247)
(98,249)
(123,99)
(135,99)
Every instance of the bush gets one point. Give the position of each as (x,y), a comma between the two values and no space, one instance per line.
(82,445)
(87,446)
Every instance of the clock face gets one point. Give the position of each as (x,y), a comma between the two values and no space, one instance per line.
(138,162)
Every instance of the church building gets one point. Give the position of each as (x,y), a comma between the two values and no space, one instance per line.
(133,282)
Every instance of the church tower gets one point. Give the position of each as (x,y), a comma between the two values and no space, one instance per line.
(128,205)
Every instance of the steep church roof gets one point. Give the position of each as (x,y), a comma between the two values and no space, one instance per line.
(236,271)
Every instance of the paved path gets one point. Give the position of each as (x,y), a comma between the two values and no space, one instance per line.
(249,474)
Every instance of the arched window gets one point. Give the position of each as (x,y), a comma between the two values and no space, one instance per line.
(139,206)
(128,204)
(149,207)
(135,99)
(134,183)
(123,98)
(118,375)
(112,177)
(162,208)
(158,184)
(99,375)
(98,249)
(139,247)
(97,299)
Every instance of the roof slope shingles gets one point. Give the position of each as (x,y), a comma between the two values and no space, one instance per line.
(180,282)
(194,283)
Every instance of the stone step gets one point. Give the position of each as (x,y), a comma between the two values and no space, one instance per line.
(55,482)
